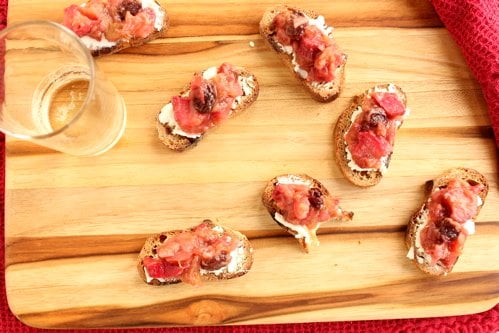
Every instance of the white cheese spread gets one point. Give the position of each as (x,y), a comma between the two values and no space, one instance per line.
(166,117)
(320,23)
(160,14)
(247,85)
(218,229)
(94,44)
(322,85)
(469,226)
(210,73)
(391,89)
(301,230)
(301,72)
(293,180)
(410,253)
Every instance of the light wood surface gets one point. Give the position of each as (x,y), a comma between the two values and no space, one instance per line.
(74,226)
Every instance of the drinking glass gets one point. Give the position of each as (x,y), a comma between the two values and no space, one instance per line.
(54,93)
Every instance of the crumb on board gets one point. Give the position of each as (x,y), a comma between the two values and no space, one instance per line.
(252,44)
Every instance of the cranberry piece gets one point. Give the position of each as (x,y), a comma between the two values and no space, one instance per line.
(294,33)
(131,6)
(204,97)
(315,198)
(448,230)
(218,261)
(377,116)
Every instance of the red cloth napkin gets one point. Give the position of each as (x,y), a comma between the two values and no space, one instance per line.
(474,25)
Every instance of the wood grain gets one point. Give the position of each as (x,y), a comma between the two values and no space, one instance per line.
(203,18)
(74,226)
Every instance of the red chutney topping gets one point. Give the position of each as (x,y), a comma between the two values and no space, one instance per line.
(449,208)
(209,101)
(302,205)
(113,19)
(184,255)
(315,52)
(372,134)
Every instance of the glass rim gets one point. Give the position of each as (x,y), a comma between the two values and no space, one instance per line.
(88,57)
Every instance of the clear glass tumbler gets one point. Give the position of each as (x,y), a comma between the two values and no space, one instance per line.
(55,95)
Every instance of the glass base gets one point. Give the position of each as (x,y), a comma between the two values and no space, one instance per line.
(120,134)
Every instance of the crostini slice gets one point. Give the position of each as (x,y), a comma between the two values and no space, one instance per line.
(436,233)
(364,135)
(205,252)
(305,44)
(213,95)
(109,26)
(301,204)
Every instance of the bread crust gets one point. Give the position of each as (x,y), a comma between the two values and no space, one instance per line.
(272,208)
(320,94)
(418,220)
(152,242)
(359,178)
(180,143)
(124,43)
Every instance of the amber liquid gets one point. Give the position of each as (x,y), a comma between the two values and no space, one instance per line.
(59,98)
(66,102)
(79,123)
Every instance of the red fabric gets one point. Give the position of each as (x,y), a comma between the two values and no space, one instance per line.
(474,25)
(484,63)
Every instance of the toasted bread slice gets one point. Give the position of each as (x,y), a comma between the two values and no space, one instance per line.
(322,92)
(356,175)
(305,236)
(420,218)
(242,257)
(178,140)
(103,47)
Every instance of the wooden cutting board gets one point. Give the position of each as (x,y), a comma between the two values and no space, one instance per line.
(74,226)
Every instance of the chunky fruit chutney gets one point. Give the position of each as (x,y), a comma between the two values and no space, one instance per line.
(112,20)
(184,255)
(448,210)
(314,51)
(302,205)
(371,136)
(209,101)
